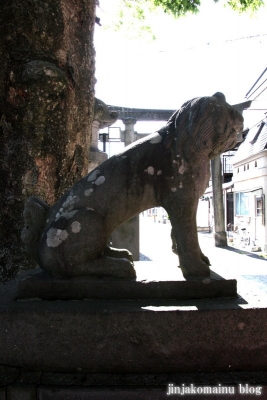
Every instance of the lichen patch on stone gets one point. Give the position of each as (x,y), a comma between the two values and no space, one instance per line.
(55,237)
(173,189)
(182,167)
(69,203)
(159,172)
(150,170)
(181,185)
(101,179)
(93,175)
(76,227)
(69,214)
(87,192)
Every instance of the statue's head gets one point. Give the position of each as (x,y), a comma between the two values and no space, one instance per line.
(205,126)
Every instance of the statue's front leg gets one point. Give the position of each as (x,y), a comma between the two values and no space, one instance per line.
(193,263)
(174,249)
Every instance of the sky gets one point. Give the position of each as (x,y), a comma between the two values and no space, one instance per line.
(197,55)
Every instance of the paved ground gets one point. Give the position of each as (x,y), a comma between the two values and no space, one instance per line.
(250,269)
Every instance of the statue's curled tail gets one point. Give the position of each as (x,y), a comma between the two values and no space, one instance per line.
(35,214)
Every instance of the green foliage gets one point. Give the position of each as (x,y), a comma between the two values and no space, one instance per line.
(132,16)
(245,5)
(178,7)
(182,7)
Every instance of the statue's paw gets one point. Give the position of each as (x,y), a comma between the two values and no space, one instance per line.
(205,259)
(197,270)
(122,268)
(107,267)
(118,253)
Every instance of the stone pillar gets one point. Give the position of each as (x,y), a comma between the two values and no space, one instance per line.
(102,118)
(127,235)
(129,133)
(219,221)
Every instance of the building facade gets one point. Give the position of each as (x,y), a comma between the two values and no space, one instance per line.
(250,184)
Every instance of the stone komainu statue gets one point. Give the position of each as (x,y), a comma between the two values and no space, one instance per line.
(170,168)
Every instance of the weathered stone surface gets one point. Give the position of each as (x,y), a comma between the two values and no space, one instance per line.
(170,168)
(2,393)
(63,379)
(44,287)
(21,392)
(131,337)
(129,393)
(8,374)
(29,377)
(101,394)
(153,380)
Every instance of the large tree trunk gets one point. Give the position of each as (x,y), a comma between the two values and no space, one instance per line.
(46,109)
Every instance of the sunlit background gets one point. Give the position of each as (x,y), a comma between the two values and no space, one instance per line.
(197,55)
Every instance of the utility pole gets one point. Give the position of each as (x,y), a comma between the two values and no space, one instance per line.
(216,175)
(219,224)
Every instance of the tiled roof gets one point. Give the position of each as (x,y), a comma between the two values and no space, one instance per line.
(255,142)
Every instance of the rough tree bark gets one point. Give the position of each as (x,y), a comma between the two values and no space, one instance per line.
(46,109)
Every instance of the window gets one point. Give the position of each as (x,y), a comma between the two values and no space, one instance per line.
(242,203)
(256,164)
(260,201)
(258,206)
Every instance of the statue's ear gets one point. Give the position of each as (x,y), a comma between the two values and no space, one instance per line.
(220,96)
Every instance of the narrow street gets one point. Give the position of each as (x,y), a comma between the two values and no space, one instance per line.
(250,269)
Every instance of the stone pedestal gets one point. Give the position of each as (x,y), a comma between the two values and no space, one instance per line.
(121,349)
(132,337)
(41,286)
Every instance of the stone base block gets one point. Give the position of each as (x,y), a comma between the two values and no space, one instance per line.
(101,394)
(131,337)
(42,286)
(145,393)
(21,392)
